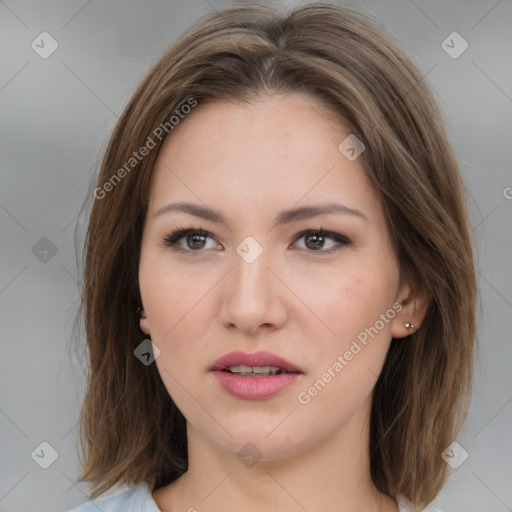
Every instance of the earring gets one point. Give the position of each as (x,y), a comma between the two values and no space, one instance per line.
(408,325)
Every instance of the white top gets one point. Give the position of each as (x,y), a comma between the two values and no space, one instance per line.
(139,499)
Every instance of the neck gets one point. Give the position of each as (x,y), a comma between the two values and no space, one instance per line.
(334,475)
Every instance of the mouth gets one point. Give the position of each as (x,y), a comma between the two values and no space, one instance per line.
(255,364)
(254,376)
(242,370)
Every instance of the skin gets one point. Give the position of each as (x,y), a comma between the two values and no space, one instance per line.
(249,162)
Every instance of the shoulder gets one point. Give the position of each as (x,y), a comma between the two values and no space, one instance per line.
(134,499)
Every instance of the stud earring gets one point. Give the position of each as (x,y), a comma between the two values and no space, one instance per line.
(408,325)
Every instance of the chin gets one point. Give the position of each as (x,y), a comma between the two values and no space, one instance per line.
(259,440)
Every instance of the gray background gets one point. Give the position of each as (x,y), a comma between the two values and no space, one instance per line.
(57,115)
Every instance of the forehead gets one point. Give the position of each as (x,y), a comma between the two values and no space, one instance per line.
(274,151)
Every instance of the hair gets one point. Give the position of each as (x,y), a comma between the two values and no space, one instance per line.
(130,429)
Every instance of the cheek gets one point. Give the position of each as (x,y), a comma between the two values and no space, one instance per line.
(353,301)
(178,321)
(347,363)
(175,305)
(170,293)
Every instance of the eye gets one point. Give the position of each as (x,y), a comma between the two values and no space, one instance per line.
(196,238)
(315,240)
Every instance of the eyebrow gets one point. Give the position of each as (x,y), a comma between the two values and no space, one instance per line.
(283,217)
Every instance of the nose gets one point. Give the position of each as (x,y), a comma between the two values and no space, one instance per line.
(253,297)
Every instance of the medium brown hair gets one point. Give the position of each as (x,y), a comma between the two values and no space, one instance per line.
(130,429)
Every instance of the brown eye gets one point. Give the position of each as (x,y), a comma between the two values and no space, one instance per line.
(315,241)
(188,240)
(196,241)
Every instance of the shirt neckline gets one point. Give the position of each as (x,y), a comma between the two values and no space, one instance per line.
(149,504)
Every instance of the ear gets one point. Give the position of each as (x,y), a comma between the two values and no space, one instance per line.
(144,323)
(414,299)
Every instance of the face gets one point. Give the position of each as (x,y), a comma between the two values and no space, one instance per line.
(253,279)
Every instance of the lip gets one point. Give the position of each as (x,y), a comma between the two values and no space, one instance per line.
(253,359)
(254,388)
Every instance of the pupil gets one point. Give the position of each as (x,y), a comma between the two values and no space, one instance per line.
(317,237)
(195,237)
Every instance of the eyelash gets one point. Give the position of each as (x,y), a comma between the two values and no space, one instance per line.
(180,232)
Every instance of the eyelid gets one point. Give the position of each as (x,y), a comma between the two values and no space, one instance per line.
(181,232)
(324,232)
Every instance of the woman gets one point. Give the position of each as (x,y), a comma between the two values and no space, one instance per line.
(279,286)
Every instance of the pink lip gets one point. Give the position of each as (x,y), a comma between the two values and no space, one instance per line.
(253,359)
(254,388)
